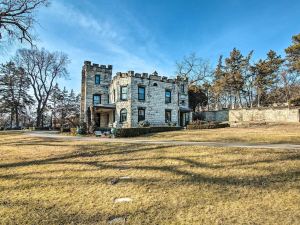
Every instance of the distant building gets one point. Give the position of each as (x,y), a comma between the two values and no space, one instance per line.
(128,98)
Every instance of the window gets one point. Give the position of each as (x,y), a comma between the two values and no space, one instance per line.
(108,99)
(114,93)
(168,115)
(141,114)
(97,79)
(124,93)
(123,115)
(168,96)
(141,93)
(97,99)
(155,84)
(182,88)
(114,115)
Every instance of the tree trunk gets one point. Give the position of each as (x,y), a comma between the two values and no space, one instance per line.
(11,118)
(38,117)
(258,99)
(17,116)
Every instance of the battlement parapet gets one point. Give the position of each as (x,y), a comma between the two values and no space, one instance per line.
(94,66)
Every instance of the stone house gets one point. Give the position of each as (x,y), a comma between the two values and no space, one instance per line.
(126,99)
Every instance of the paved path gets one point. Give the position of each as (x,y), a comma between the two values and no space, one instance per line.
(55,135)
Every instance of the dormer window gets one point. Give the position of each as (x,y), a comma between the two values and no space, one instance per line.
(97,79)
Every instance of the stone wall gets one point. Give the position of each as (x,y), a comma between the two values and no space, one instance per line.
(218,116)
(272,115)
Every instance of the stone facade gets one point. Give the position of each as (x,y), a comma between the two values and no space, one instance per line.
(107,113)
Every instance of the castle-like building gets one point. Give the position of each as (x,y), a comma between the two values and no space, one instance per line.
(126,99)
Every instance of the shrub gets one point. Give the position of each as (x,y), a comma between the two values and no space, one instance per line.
(65,130)
(206,125)
(73,131)
(163,129)
(134,132)
(131,132)
(172,124)
(144,123)
(82,128)
(295,101)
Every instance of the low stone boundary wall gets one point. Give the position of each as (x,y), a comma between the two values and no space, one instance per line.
(269,115)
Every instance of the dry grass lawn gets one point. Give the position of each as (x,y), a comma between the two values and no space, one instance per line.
(45,181)
(271,134)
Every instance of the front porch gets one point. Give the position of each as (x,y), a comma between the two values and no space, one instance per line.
(101,116)
(184,116)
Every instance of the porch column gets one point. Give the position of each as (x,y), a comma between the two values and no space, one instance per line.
(92,125)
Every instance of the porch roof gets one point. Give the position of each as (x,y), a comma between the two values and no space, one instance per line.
(105,106)
(183,109)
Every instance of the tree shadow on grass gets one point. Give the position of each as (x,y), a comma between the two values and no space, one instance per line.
(41,212)
(184,170)
(86,151)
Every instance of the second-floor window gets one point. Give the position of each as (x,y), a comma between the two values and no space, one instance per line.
(141,93)
(97,79)
(182,88)
(168,96)
(124,93)
(97,99)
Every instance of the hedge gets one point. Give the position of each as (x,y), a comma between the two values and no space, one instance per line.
(134,132)
(207,126)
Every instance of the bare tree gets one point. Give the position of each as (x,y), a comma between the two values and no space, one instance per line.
(17,18)
(198,70)
(42,68)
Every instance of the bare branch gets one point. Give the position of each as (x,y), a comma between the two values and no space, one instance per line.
(17,18)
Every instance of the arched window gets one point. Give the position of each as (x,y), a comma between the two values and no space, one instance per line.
(155,84)
(123,115)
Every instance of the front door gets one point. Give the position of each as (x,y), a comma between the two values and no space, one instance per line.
(181,119)
(97,119)
(184,118)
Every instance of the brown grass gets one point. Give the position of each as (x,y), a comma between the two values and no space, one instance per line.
(272,134)
(46,181)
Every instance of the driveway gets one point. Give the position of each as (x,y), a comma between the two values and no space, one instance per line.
(56,135)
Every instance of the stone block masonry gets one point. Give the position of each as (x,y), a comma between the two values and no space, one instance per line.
(108,111)
(269,115)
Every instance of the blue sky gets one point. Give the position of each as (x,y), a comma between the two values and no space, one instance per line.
(151,35)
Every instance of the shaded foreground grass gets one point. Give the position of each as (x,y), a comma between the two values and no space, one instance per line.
(269,134)
(46,181)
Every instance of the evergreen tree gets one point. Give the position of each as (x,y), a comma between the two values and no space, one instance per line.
(293,55)
(233,76)
(218,86)
(14,86)
(266,74)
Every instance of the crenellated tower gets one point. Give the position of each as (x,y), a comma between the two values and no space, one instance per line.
(95,83)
